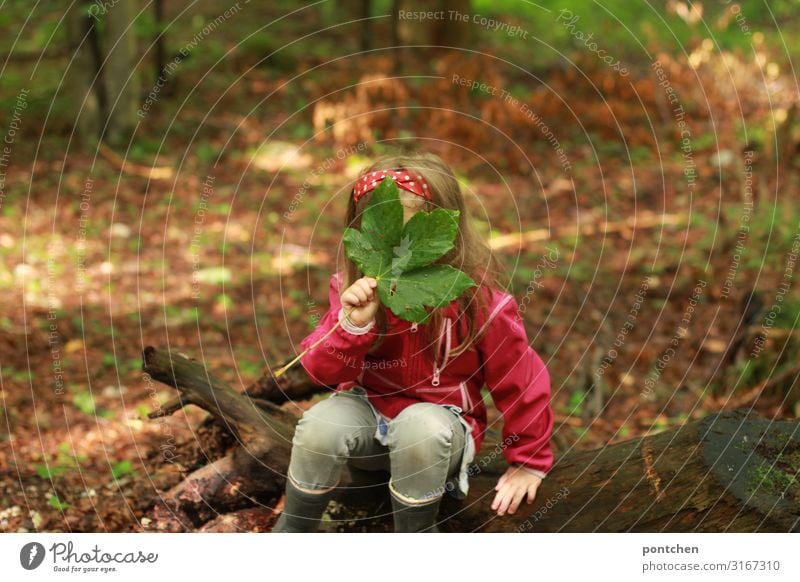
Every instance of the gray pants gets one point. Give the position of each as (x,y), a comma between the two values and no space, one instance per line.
(424,446)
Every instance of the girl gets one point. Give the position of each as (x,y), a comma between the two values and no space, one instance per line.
(408,397)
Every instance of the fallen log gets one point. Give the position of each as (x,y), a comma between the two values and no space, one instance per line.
(731,471)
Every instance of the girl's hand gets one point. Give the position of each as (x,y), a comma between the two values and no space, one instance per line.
(512,487)
(362,298)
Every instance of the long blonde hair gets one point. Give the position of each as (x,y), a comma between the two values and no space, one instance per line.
(470,252)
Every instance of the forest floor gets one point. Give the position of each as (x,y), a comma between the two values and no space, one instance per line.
(219,242)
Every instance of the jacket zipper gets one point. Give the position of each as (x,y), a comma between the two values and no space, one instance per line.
(446,335)
(437,371)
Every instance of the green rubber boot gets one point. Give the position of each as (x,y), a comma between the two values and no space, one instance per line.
(303,511)
(415,518)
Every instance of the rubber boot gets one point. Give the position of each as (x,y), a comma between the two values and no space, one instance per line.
(302,511)
(415,518)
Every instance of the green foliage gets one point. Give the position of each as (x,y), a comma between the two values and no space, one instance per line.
(54,502)
(120,469)
(249,367)
(206,152)
(400,257)
(65,460)
(84,401)
(214,275)
(48,472)
(575,405)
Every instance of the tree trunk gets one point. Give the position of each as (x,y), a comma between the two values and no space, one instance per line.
(122,81)
(81,82)
(366,26)
(730,471)
(453,30)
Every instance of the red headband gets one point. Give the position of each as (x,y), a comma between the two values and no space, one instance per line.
(405,179)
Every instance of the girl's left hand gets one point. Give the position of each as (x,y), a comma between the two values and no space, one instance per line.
(512,487)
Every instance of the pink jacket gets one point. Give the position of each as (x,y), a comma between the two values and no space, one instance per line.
(394,377)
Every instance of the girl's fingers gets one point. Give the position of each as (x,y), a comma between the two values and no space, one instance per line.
(359,294)
(350,298)
(498,498)
(506,499)
(364,286)
(532,492)
(516,499)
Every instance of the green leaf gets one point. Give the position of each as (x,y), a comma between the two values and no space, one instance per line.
(48,472)
(84,401)
(433,286)
(430,236)
(400,257)
(382,221)
(54,502)
(359,249)
(121,468)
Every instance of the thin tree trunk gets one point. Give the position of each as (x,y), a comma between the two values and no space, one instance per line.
(81,86)
(366,25)
(122,81)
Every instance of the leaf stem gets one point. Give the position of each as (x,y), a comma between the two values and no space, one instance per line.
(282,370)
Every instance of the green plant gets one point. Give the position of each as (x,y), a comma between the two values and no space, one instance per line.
(54,502)
(64,461)
(84,401)
(120,469)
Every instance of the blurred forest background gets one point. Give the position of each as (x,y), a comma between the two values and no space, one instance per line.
(175,173)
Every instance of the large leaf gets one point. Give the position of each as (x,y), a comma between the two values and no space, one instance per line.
(433,285)
(430,236)
(382,221)
(400,256)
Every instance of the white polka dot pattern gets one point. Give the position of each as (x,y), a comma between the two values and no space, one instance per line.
(411,183)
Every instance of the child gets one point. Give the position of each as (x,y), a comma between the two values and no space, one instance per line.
(408,396)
